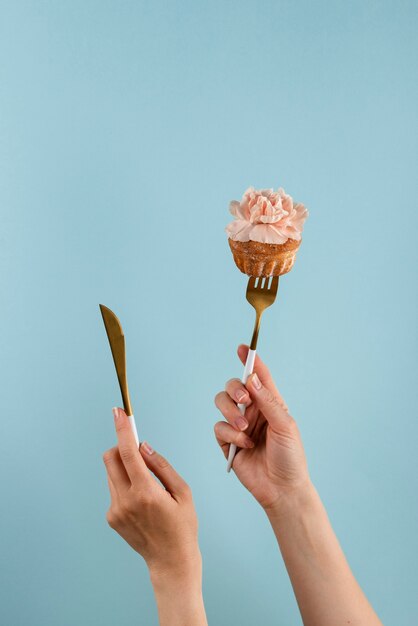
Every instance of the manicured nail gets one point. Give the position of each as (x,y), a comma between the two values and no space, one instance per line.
(147,447)
(256,382)
(116,413)
(249,443)
(240,395)
(241,423)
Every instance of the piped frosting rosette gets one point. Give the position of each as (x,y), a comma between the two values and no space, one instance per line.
(266,232)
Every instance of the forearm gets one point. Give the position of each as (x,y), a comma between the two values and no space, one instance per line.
(325,588)
(179,596)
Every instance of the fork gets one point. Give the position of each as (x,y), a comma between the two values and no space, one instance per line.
(261,293)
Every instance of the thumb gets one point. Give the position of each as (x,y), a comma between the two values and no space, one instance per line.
(263,372)
(270,404)
(162,469)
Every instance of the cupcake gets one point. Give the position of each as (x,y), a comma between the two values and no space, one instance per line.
(266,232)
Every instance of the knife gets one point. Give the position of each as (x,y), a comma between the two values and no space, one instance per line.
(117,346)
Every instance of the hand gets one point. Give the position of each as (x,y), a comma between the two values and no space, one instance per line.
(271,461)
(160,524)
(272,465)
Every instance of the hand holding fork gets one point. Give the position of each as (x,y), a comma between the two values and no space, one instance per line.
(261,293)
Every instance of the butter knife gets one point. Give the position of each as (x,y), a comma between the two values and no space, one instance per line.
(117,346)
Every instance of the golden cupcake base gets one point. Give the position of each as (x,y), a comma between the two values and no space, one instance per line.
(264,259)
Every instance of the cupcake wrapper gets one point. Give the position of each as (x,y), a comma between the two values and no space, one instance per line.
(258,259)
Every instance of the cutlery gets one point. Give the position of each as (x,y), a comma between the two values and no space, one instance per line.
(261,293)
(117,346)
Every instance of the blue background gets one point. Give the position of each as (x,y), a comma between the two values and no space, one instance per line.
(125,130)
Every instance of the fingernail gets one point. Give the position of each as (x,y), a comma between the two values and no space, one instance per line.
(240,395)
(241,423)
(147,447)
(249,443)
(256,382)
(116,413)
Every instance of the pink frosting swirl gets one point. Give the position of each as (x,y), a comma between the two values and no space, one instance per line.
(266,216)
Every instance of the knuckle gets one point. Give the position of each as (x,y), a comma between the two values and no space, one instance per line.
(227,408)
(233,382)
(108,456)
(121,425)
(145,499)
(230,414)
(162,462)
(126,454)
(112,519)
(272,400)
(186,490)
(129,506)
(218,428)
(292,424)
(241,439)
(183,490)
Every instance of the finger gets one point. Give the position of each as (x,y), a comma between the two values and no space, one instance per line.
(162,469)
(116,470)
(262,371)
(230,411)
(269,403)
(112,489)
(128,450)
(225,434)
(237,391)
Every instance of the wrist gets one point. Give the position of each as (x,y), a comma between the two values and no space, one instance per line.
(178,592)
(292,502)
(183,574)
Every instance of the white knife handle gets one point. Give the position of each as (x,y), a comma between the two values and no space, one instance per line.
(134,430)
(248,369)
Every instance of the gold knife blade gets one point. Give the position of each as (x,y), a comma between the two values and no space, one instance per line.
(117,346)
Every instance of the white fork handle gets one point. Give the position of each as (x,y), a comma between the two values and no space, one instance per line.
(134,430)
(248,369)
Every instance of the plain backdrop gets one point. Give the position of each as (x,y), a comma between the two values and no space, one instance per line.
(125,130)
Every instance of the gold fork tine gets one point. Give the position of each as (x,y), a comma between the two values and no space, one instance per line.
(274,285)
(261,295)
